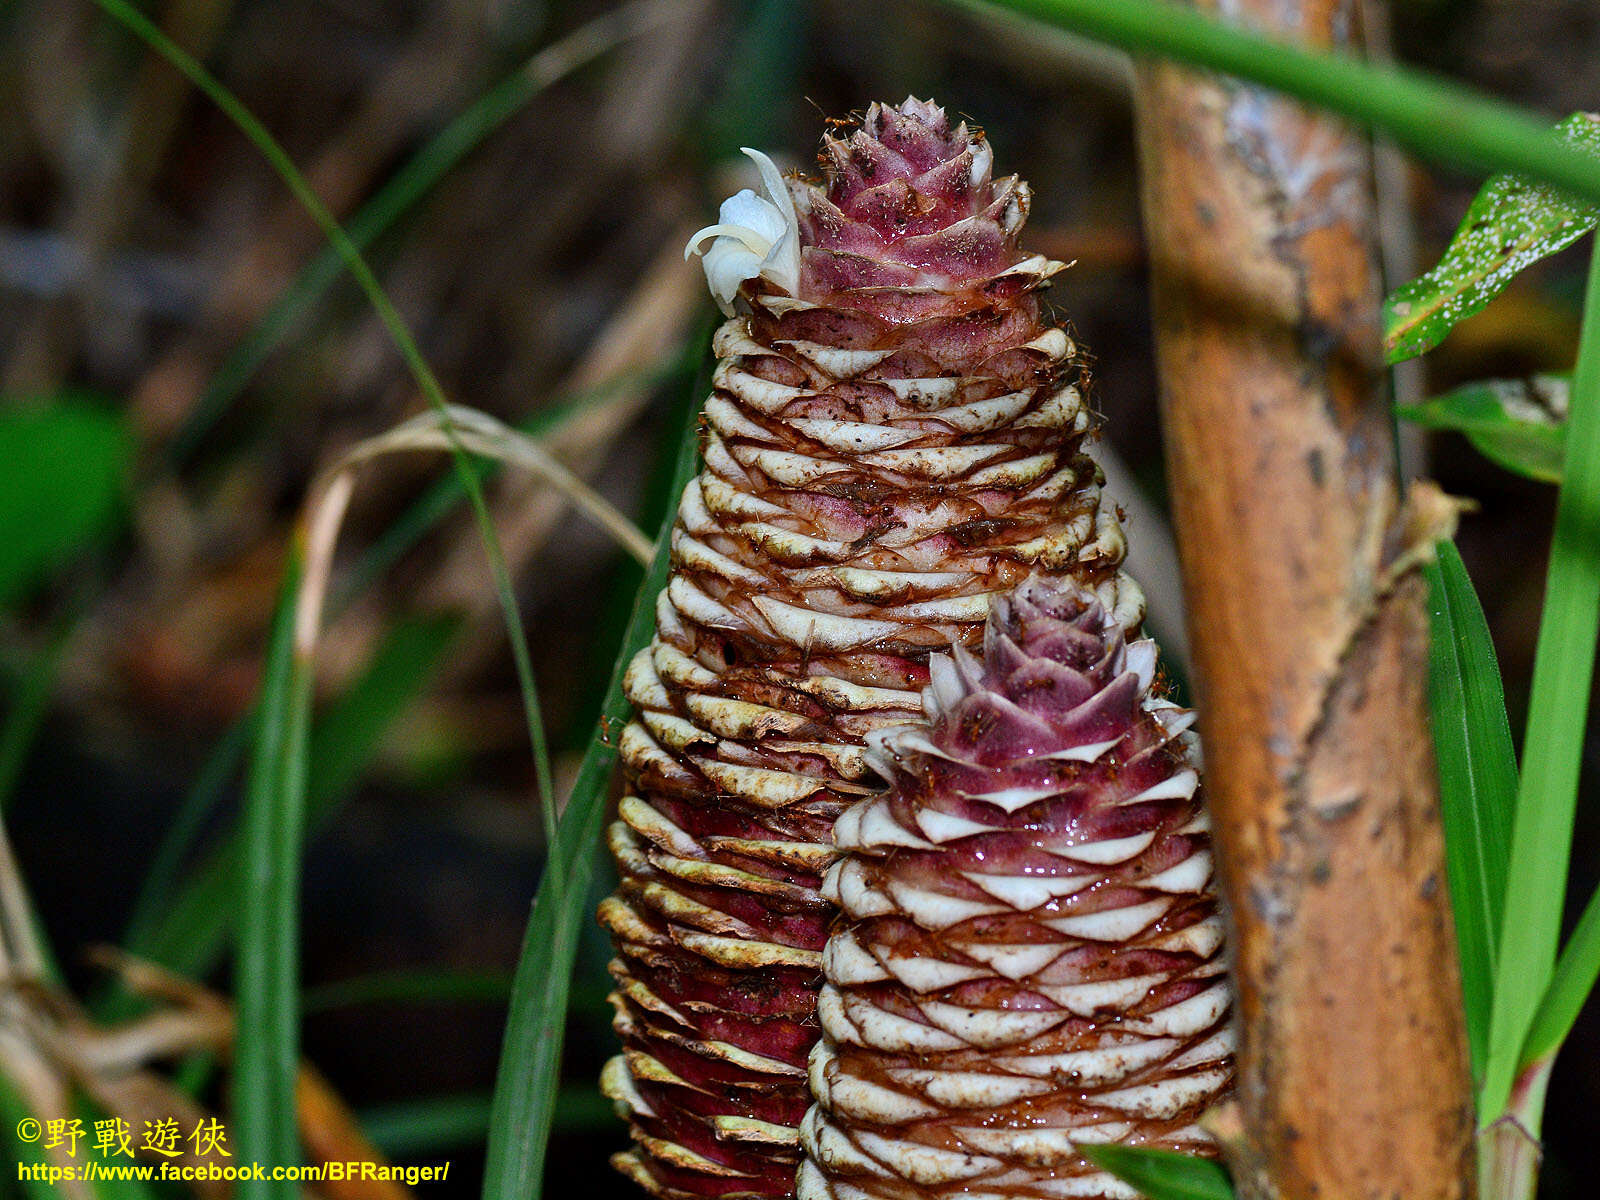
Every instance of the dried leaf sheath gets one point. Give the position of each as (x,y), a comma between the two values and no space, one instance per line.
(1031,952)
(894,434)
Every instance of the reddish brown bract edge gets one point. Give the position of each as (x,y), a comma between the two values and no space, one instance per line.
(1031,957)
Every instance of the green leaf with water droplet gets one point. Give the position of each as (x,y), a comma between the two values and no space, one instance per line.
(1518,424)
(1512,223)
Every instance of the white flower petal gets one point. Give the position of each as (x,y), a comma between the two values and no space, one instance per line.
(754,237)
(785,259)
(754,212)
(728,264)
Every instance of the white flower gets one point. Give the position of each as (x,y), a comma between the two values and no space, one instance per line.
(753,237)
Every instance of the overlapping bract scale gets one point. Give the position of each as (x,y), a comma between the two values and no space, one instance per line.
(885,449)
(1030,953)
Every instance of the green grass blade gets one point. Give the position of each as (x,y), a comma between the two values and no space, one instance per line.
(1477,779)
(1439,120)
(1574,978)
(156,902)
(351,730)
(27,705)
(1552,747)
(399,333)
(1163,1174)
(1518,424)
(530,1060)
(422,1127)
(1511,223)
(190,931)
(409,987)
(267,1048)
(409,185)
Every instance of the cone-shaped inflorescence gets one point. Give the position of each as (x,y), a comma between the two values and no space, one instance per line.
(1030,955)
(895,434)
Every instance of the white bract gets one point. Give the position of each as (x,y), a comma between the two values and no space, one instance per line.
(754,237)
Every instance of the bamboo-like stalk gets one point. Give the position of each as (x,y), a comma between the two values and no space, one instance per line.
(1309,635)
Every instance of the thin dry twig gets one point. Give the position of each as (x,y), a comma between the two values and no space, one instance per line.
(49,1048)
(648,329)
(483,434)
(458,425)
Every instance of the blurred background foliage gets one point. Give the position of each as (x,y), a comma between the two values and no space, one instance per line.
(177,366)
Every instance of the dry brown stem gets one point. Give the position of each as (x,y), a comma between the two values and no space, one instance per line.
(1309,634)
(328,1128)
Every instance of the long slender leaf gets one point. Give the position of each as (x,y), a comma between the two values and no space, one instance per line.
(440,1123)
(1512,223)
(1519,424)
(399,334)
(530,1059)
(1552,748)
(1570,985)
(267,1048)
(1439,120)
(1163,1174)
(1477,779)
(409,987)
